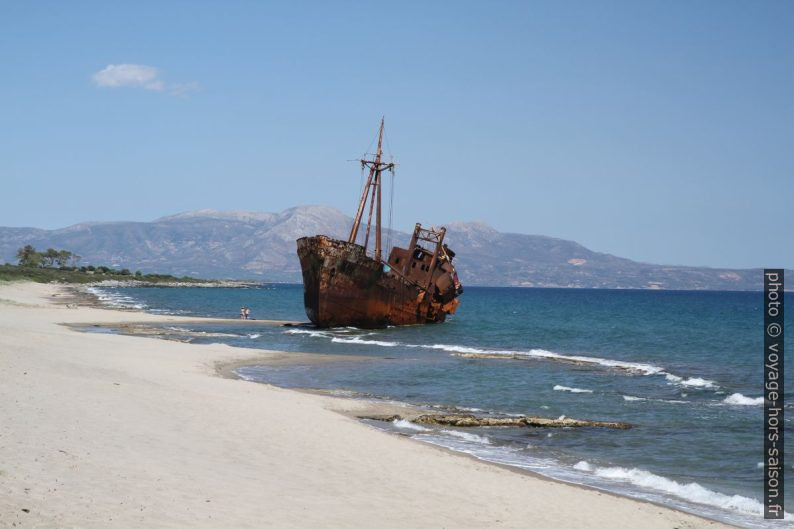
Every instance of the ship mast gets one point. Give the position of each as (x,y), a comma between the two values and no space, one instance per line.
(376,168)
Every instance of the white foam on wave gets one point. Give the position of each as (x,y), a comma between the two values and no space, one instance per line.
(304,331)
(641,368)
(737,399)
(254,336)
(584,466)
(466,436)
(362,341)
(343,339)
(693,492)
(571,390)
(115,299)
(692,382)
(636,367)
(698,382)
(408,425)
(632,398)
(460,349)
(313,334)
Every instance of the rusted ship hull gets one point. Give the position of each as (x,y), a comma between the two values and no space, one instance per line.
(345,287)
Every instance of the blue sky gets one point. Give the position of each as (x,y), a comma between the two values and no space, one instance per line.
(658,131)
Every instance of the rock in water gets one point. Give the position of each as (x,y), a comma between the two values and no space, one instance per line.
(466,420)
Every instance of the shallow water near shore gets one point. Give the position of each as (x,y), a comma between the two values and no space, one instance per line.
(685,368)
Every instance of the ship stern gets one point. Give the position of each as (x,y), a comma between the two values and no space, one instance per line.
(311,259)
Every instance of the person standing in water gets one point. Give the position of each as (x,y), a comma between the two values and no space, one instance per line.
(247,313)
(242,313)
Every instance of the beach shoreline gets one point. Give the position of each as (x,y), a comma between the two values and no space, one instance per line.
(103,427)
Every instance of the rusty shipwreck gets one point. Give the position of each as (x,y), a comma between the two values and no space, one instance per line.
(346,284)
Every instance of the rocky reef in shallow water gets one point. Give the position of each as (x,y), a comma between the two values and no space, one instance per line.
(468,420)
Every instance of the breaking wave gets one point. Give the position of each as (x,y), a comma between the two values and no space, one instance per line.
(358,340)
(694,382)
(344,338)
(637,368)
(737,399)
(457,349)
(632,398)
(408,425)
(632,368)
(114,299)
(472,437)
(583,465)
(571,390)
(693,492)
(313,334)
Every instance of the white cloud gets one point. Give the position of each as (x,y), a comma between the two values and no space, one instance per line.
(139,76)
(116,75)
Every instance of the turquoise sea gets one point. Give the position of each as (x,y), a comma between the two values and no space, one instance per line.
(685,368)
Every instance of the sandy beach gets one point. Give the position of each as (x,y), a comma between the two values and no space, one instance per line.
(104,430)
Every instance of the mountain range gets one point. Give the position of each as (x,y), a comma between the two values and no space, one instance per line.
(255,245)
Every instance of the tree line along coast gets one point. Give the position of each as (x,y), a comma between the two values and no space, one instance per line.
(54,265)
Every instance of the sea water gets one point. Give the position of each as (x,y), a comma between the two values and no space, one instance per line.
(684,368)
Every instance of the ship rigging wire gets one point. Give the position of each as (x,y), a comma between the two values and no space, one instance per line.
(377,183)
(391,209)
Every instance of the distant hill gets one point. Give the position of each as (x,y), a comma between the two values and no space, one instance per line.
(254,245)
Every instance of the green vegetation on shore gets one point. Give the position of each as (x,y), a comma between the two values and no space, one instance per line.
(61,266)
(9,272)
